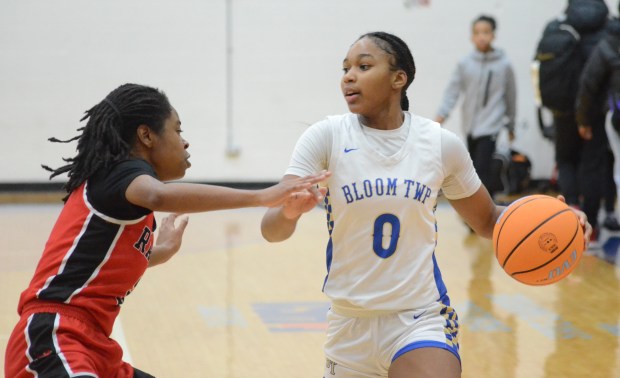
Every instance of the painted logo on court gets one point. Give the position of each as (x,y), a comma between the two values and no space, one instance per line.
(293,316)
(548,242)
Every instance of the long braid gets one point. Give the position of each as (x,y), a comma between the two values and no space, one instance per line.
(110,131)
(403,59)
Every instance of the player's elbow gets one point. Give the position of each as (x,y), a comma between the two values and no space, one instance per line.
(268,237)
(273,232)
(268,234)
(154,199)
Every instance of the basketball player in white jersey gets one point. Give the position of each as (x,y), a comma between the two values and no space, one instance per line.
(390,312)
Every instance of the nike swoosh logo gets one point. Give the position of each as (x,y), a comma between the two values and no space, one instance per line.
(347,150)
(418,315)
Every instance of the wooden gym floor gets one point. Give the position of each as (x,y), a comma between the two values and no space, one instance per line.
(232,305)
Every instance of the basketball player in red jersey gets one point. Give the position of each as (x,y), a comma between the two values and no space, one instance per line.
(103,240)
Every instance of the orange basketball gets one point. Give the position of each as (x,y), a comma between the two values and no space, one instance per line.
(538,240)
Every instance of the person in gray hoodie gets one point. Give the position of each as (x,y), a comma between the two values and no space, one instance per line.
(486,80)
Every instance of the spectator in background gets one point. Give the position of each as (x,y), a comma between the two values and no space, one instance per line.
(565,46)
(486,80)
(599,91)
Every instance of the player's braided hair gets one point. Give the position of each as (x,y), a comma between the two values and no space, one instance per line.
(403,60)
(110,132)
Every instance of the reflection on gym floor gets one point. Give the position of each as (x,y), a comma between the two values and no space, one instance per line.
(232,305)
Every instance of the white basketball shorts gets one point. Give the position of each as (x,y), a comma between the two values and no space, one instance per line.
(366,346)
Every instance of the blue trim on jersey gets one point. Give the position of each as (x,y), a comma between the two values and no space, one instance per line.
(330,227)
(441,286)
(328,257)
(427,344)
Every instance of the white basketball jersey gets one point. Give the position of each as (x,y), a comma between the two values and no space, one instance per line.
(381,219)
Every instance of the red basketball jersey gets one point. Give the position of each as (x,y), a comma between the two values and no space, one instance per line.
(91,260)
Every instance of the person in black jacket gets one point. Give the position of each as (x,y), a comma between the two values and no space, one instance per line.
(580,160)
(596,86)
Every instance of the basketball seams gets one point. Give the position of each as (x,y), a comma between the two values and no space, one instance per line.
(518,247)
(556,257)
(512,210)
(528,235)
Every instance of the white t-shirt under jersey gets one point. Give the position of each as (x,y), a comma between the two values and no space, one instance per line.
(381,207)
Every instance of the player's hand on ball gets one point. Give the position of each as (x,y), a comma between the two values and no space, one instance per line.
(583,220)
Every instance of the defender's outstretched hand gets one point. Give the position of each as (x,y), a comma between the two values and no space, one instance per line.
(294,189)
(303,202)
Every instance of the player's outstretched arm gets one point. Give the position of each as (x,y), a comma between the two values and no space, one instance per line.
(152,194)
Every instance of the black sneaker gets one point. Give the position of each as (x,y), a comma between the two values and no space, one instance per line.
(611,223)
